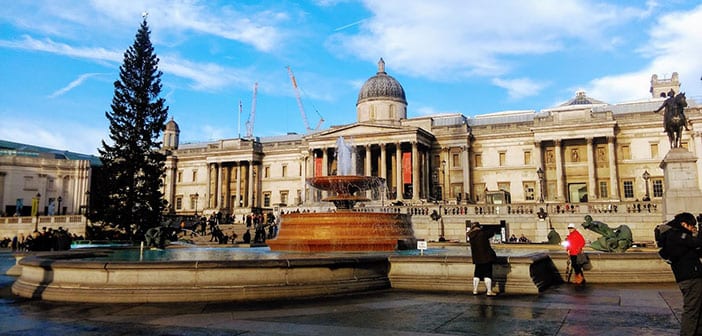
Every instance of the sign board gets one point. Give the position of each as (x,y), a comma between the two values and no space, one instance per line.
(421,246)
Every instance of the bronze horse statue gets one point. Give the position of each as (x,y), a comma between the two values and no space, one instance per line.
(674,119)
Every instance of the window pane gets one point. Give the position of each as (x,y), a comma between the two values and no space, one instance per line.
(628,189)
(657,188)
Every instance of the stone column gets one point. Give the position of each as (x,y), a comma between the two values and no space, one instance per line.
(398,170)
(560,185)
(325,162)
(218,200)
(367,162)
(238,185)
(427,174)
(303,177)
(367,166)
(591,170)
(613,177)
(465,154)
(415,172)
(250,188)
(383,162)
(447,173)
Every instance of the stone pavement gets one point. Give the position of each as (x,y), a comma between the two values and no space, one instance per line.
(595,310)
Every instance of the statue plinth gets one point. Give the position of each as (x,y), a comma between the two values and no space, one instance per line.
(682,192)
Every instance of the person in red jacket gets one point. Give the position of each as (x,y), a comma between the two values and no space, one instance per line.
(574,244)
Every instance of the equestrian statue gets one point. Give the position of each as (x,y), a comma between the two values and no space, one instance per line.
(674,119)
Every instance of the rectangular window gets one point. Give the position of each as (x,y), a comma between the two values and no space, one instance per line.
(180,176)
(654,150)
(194,175)
(478,158)
(284,197)
(527,157)
(29,183)
(266,171)
(503,158)
(300,169)
(626,152)
(179,202)
(529,191)
(267,199)
(456,160)
(628,187)
(657,187)
(604,190)
(284,172)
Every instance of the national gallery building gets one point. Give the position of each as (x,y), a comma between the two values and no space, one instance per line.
(583,151)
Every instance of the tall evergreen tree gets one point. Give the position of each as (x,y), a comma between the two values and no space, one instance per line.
(133,165)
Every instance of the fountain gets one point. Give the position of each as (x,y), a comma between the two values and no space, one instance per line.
(345,230)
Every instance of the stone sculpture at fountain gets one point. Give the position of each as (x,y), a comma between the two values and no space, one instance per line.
(345,230)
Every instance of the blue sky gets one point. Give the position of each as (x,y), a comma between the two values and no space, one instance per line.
(59,59)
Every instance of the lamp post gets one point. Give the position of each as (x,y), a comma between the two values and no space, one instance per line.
(646,176)
(443,180)
(540,173)
(87,205)
(196,197)
(36,213)
(59,199)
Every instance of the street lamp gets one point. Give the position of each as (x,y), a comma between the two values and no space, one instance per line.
(59,199)
(87,205)
(196,197)
(646,176)
(36,213)
(443,180)
(540,173)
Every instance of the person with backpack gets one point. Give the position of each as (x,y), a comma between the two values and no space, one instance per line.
(682,247)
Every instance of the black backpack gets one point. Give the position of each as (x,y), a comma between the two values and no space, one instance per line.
(660,233)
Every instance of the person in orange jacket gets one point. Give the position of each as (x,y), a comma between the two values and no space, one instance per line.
(574,244)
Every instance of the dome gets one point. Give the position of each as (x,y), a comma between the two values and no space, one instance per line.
(381,86)
(171,125)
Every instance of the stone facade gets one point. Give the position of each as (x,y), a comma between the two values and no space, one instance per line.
(584,153)
(28,171)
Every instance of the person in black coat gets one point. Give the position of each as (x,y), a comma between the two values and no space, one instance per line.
(483,257)
(683,247)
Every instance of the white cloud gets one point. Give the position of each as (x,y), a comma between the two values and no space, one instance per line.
(74,137)
(48,45)
(75,83)
(674,46)
(520,87)
(459,39)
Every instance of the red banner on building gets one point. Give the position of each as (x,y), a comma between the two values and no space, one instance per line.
(318,166)
(407,168)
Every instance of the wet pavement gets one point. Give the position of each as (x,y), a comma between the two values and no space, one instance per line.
(597,309)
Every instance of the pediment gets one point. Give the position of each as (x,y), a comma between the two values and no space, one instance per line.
(361,130)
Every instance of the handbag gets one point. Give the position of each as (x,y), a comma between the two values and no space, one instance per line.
(584,261)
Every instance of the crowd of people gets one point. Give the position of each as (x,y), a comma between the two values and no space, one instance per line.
(47,239)
(263,227)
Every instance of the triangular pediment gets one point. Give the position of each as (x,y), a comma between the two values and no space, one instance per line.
(367,133)
(361,129)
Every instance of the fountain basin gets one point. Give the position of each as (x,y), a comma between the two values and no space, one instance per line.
(344,231)
(67,277)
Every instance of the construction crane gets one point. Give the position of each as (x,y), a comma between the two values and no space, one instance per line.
(300,106)
(252,115)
